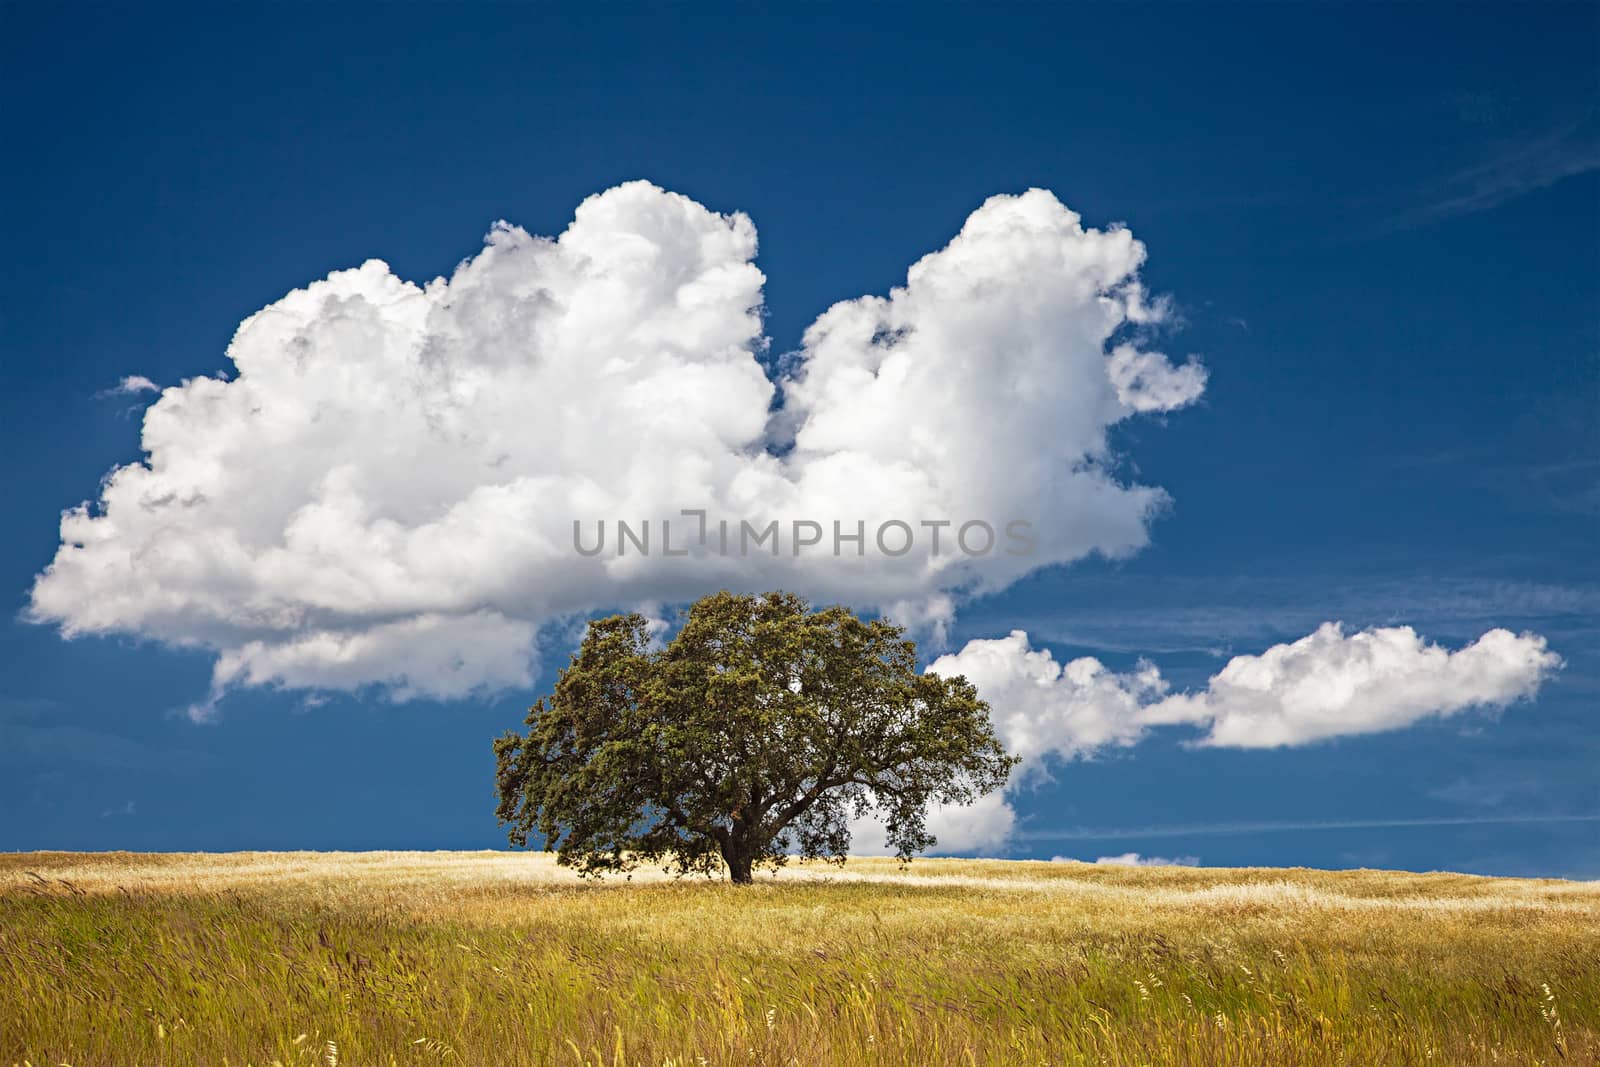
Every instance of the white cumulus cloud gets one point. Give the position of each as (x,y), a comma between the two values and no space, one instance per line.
(1146,381)
(1327,684)
(1042,708)
(384,490)
(983,827)
(1333,684)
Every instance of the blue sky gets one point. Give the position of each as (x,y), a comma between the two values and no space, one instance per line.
(1377,226)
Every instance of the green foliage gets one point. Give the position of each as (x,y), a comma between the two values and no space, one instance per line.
(756,733)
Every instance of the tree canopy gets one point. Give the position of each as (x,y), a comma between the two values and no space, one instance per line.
(757,732)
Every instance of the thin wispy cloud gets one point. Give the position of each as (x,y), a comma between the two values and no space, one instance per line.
(37,733)
(131,385)
(1246,829)
(1517,168)
(1219,616)
(1490,788)
(1564,486)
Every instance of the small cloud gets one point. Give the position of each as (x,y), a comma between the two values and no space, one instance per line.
(131,385)
(203,712)
(1367,857)
(126,808)
(1133,859)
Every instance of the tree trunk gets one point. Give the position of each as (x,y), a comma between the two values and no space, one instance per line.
(739,865)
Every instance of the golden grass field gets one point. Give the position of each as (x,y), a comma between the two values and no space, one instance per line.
(500,958)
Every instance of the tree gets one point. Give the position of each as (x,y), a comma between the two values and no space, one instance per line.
(757,732)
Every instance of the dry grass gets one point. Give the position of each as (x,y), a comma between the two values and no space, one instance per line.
(493,958)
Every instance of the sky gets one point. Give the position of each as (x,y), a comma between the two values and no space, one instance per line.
(1278,325)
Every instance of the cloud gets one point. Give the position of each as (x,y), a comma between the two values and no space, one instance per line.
(1333,684)
(1133,859)
(982,828)
(1492,787)
(1294,826)
(1518,167)
(1145,381)
(33,733)
(385,491)
(131,385)
(1327,684)
(1220,614)
(1042,708)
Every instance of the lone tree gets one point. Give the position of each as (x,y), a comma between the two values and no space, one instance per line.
(758,732)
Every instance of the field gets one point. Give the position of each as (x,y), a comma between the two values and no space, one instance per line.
(495,958)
